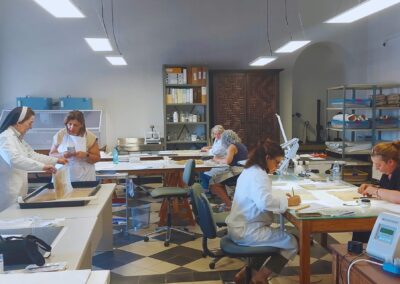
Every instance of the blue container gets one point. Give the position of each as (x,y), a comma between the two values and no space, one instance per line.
(36,103)
(69,103)
(350,102)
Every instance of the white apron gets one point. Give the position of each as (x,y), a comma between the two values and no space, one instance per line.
(79,169)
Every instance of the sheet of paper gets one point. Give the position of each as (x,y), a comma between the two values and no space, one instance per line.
(60,277)
(346,195)
(62,182)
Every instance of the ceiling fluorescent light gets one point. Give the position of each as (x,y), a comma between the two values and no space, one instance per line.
(262,61)
(116,60)
(292,46)
(99,44)
(60,8)
(362,10)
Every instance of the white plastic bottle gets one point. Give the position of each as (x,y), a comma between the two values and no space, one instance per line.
(130,187)
(336,174)
(175,117)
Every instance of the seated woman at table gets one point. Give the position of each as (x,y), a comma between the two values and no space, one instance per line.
(385,157)
(235,152)
(251,215)
(217,149)
(79,146)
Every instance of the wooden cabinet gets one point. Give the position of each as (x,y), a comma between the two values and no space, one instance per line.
(186,108)
(246,102)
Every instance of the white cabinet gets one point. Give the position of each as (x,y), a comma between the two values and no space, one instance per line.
(48,122)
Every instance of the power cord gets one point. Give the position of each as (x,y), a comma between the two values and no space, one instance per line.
(359,260)
(341,262)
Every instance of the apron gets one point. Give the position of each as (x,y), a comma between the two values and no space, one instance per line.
(79,169)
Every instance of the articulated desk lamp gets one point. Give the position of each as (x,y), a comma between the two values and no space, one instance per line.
(290,147)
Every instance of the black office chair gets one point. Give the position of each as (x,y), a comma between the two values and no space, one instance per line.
(219,219)
(168,193)
(228,247)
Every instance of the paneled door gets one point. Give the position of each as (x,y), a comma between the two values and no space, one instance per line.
(246,102)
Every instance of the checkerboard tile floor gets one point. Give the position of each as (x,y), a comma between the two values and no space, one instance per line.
(135,261)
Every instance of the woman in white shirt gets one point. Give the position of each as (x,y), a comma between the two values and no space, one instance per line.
(217,149)
(79,146)
(251,215)
(17,157)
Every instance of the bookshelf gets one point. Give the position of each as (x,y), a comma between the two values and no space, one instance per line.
(186,106)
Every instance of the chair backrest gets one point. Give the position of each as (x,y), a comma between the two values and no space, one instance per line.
(188,172)
(205,218)
(194,192)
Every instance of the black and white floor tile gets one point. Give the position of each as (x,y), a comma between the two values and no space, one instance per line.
(135,261)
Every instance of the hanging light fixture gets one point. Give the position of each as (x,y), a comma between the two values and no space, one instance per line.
(362,10)
(60,8)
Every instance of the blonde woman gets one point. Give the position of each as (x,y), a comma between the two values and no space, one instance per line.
(385,157)
(217,149)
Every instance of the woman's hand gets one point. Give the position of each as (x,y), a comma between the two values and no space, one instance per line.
(293,200)
(363,187)
(369,190)
(81,155)
(68,154)
(49,169)
(62,161)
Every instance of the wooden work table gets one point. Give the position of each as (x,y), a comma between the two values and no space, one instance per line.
(324,193)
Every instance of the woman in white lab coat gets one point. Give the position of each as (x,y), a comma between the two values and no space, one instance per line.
(17,157)
(251,215)
(79,146)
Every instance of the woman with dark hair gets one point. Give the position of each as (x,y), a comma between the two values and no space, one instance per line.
(79,146)
(17,157)
(249,222)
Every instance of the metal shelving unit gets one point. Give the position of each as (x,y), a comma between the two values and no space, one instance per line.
(356,92)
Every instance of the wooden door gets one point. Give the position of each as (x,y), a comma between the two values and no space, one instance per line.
(246,101)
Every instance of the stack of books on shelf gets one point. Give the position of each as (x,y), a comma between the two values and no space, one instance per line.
(183,76)
(176,75)
(393,100)
(183,96)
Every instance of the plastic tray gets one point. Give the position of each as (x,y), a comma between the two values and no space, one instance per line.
(386,123)
(351,124)
(27,204)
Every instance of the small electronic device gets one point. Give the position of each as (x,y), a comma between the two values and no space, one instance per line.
(355,247)
(71,149)
(152,137)
(384,242)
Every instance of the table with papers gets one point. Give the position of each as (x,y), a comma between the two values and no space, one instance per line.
(338,210)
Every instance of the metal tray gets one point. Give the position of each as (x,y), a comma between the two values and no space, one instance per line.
(29,204)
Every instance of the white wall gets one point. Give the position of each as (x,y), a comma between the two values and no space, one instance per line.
(317,67)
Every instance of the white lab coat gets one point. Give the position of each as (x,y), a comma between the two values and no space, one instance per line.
(79,169)
(251,214)
(218,149)
(16,158)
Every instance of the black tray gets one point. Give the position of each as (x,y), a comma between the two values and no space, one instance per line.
(51,204)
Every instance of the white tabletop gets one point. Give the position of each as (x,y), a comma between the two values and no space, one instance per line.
(92,209)
(151,164)
(73,276)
